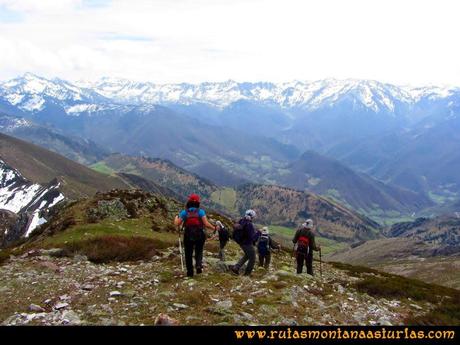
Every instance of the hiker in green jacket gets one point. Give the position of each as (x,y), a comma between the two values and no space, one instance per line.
(304,239)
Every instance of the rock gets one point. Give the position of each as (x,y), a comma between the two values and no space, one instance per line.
(165,320)
(49,265)
(227,304)
(384,322)
(222,267)
(108,322)
(180,306)
(217,311)
(250,301)
(80,258)
(268,310)
(416,306)
(247,316)
(340,289)
(285,274)
(64,297)
(115,293)
(36,308)
(88,287)
(60,306)
(288,322)
(55,252)
(71,317)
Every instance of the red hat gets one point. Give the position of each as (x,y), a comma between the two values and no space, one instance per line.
(194,197)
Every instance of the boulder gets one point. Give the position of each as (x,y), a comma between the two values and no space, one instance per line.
(165,320)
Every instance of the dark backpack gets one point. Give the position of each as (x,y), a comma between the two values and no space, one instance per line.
(263,245)
(239,232)
(303,245)
(224,235)
(193,225)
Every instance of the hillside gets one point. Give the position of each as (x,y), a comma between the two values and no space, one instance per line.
(113,260)
(283,206)
(77,149)
(326,176)
(160,171)
(427,249)
(275,205)
(39,165)
(218,175)
(24,205)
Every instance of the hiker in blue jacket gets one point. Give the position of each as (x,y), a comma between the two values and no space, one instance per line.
(247,242)
(193,220)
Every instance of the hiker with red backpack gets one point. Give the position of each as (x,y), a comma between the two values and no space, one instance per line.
(265,244)
(193,220)
(245,235)
(304,239)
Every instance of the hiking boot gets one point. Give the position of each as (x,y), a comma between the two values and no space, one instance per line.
(234,270)
(199,270)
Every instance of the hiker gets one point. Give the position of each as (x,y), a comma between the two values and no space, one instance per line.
(304,238)
(265,244)
(194,221)
(245,235)
(224,236)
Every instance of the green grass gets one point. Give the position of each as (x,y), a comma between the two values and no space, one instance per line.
(128,228)
(328,246)
(225,197)
(102,168)
(105,249)
(386,218)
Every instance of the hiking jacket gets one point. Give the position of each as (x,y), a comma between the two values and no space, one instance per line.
(271,243)
(251,235)
(307,233)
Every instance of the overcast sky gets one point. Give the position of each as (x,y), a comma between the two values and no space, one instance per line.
(398,41)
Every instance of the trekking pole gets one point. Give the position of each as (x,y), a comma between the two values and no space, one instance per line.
(320,264)
(180,252)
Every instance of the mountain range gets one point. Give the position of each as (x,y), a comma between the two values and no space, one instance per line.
(232,133)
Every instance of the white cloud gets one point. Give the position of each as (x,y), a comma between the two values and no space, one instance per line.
(184,40)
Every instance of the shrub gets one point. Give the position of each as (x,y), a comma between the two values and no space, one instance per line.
(116,248)
(4,256)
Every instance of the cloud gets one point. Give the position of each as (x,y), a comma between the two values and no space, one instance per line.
(412,41)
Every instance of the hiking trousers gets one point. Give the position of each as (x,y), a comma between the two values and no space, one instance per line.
(249,256)
(192,246)
(222,245)
(264,260)
(306,259)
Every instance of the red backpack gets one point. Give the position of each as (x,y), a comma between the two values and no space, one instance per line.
(193,224)
(303,245)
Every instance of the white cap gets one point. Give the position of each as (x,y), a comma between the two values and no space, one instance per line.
(250,213)
(265,230)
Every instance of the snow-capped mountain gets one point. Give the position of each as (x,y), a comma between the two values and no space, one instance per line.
(26,200)
(30,93)
(307,95)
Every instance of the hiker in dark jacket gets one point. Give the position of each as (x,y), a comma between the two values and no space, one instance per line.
(247,244)
(304,239)
(265,244)
(193,220)
(224,236)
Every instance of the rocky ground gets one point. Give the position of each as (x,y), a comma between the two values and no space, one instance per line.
(41,288)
